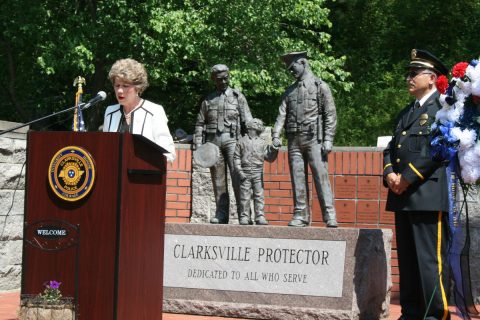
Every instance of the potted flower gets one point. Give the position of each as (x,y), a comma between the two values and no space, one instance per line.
(49,305)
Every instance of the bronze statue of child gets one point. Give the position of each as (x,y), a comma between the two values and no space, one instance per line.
(250,153)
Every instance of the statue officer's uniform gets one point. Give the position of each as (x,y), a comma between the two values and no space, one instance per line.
(421,212)
(307,112)
(221,121)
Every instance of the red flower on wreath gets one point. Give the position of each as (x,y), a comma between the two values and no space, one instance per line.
(458,70)
(442,84)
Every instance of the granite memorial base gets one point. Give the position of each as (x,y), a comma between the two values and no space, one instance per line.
(271,272)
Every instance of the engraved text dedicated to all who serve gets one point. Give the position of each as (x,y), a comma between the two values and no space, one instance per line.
(288,266)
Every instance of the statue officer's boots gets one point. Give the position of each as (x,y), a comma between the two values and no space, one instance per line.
(332,223)
(330,220)
(260,220)
(300,219)
(219,218)
(244,218)
(244,221)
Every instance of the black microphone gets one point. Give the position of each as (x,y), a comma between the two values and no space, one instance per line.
(101,95)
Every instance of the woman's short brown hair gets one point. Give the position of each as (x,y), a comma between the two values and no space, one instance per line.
(131,71)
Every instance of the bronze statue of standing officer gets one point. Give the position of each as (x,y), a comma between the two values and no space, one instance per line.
(307,112)
(221,122)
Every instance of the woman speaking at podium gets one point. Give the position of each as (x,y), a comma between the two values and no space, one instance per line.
(132,113)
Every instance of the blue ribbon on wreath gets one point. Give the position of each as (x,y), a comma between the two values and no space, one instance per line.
(444,148)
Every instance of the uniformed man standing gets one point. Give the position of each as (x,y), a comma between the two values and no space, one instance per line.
(307,112)
(419,197)
(221,121)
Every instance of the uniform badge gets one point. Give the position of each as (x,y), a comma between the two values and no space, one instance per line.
(71,173)
(423,119)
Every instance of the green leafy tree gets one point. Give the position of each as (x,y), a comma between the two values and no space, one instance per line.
(45,45)
(377,37)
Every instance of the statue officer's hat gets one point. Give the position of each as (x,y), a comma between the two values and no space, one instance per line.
(290,58)
(425,60)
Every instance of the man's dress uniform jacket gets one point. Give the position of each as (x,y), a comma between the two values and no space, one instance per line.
(408,154)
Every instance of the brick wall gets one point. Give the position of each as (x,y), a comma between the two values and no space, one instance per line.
(355,176)
(179,186)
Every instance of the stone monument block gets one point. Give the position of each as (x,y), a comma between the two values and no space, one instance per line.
(12,193)
(470,200)
(262,272)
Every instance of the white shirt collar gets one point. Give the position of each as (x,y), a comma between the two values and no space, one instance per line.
(425,97)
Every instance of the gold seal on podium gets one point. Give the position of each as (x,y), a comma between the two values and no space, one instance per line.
(71,173)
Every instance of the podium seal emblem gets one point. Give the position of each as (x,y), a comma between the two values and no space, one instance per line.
(71,173)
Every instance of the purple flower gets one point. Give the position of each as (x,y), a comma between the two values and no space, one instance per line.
(54,284)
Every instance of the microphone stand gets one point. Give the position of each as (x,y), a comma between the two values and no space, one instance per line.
(81,106)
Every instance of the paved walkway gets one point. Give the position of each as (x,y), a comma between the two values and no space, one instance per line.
(9,302)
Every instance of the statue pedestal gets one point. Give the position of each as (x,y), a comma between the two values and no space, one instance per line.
(269,272)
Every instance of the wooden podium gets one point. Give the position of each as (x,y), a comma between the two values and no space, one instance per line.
(106,248)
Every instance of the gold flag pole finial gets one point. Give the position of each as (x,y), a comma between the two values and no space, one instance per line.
(79,82)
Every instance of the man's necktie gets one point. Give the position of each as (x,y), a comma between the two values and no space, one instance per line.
(221,112)
(414,113)
(300,102)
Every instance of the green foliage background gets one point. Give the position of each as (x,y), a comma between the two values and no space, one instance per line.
(377,36)
(359,47)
